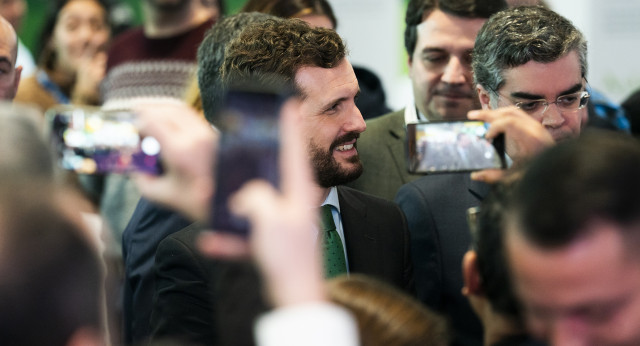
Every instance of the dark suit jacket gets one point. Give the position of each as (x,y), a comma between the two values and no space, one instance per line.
(382,151)
(188,288)
(435,207)
(195,295)
(147,227)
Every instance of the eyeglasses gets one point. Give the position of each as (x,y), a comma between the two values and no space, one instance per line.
(565,103)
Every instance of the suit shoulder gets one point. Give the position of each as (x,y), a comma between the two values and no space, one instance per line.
(385,122)
(366,199)
(186,236)
(435,183)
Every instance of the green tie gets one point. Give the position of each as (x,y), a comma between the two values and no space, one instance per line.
(334,261)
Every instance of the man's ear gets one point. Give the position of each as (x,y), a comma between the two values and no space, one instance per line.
(16,81)
(484,96)
(409,64)
(470,274)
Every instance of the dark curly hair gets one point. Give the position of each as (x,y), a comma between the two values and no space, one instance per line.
(281,47)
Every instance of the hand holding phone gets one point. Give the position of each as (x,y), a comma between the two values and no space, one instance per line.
(249,148)
(452,146)
(89,140)
(525,136)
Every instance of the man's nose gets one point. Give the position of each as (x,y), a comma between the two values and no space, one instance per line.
(455,71)
(552,116)
(355,123)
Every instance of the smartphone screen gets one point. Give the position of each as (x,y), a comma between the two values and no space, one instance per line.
(92,141)
(249,148)
(452,146)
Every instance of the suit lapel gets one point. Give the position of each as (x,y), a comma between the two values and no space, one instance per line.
(360,236)
(395,144)
(477,188)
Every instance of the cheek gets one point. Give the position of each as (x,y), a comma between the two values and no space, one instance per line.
(101,38)
(536,326)
(430,76)
(422,77)
(577,120)
(583,117)
(63,43)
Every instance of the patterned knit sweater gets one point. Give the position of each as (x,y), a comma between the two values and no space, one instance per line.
(140,68)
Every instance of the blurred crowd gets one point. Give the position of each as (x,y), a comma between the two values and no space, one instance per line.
(344,244)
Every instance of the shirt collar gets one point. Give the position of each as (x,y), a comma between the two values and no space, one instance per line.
(412,115)
(332,198)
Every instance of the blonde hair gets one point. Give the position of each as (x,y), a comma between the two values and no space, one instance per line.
(387,316)
(192,96)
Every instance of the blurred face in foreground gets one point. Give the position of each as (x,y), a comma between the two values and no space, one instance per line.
(584,293)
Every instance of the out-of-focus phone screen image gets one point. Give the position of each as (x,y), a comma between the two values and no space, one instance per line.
(452,146)
(92,141)
(249,149)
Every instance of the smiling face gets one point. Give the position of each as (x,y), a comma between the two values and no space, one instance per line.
(440,66)
(80,31)
(534,81)
(584,293)
(331,122)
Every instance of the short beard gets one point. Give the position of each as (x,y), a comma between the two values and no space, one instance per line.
(327,170)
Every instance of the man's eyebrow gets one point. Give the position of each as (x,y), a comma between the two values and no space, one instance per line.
(527,96)
(4,59)
(329,104)
(575,88)
(433,50)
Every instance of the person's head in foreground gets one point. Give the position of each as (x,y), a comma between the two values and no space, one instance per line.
(385,315)
(51,273)
(572,237)
(487,283)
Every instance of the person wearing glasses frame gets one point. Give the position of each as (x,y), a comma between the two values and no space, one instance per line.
(565,103)
(520,61)
(529,66)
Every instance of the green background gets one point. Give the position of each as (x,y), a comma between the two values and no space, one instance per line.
(33,21)
(37,12)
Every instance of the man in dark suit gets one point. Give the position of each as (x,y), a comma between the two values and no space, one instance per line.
(439,37)
(547,86)
(151,223)
(373,232)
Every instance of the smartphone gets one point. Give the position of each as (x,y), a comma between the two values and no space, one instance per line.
(89,140)
(452,146)
(249,148)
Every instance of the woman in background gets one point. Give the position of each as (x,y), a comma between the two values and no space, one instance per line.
(72,57)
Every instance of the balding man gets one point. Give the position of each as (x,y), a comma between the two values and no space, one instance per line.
(9,73)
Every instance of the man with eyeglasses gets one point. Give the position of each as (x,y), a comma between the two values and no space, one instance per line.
(529,67)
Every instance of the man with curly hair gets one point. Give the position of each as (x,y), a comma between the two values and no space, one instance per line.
(194,295)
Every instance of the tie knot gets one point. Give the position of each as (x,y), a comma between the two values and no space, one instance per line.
(326,216)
